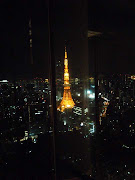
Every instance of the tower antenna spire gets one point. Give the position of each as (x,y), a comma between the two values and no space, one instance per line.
(65,45)
(65,51)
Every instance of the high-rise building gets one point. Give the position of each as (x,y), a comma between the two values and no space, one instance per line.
(67,101)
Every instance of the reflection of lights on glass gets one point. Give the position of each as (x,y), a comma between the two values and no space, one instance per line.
(68,105)
(65,123)
(88,91)
(92,96)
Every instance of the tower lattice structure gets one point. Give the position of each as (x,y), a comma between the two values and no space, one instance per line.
(67,101)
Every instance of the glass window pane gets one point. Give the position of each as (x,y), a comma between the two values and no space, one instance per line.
(111,53)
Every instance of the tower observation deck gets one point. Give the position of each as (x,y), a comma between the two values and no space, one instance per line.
(67,101)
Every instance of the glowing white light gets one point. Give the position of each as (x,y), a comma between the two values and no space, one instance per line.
(66,74)
(4,81)
(93,128)
(81,124)
(25,99)
(65,123)
(86,110)
(92,96)
(68,105)
(78,94)
(88,91)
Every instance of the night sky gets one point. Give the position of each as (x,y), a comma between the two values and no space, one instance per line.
(116,47)
(71,22)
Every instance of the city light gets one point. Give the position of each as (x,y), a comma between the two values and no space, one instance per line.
(88,91)
(133,77)
(4,81)
(92,96)
(81,124)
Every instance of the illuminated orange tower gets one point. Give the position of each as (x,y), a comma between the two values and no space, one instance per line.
(67,101)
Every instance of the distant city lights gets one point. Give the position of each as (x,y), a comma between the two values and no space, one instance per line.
(92,96)
(88,92)
(81,124)
(3,81)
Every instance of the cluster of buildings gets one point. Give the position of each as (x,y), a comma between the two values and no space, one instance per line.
(116,127)
(25,109)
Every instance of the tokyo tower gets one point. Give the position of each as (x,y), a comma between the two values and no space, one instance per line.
(67,101)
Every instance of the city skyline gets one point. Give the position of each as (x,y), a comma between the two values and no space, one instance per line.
(63,119)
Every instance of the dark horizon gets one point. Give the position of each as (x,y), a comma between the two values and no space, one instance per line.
(115,47)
